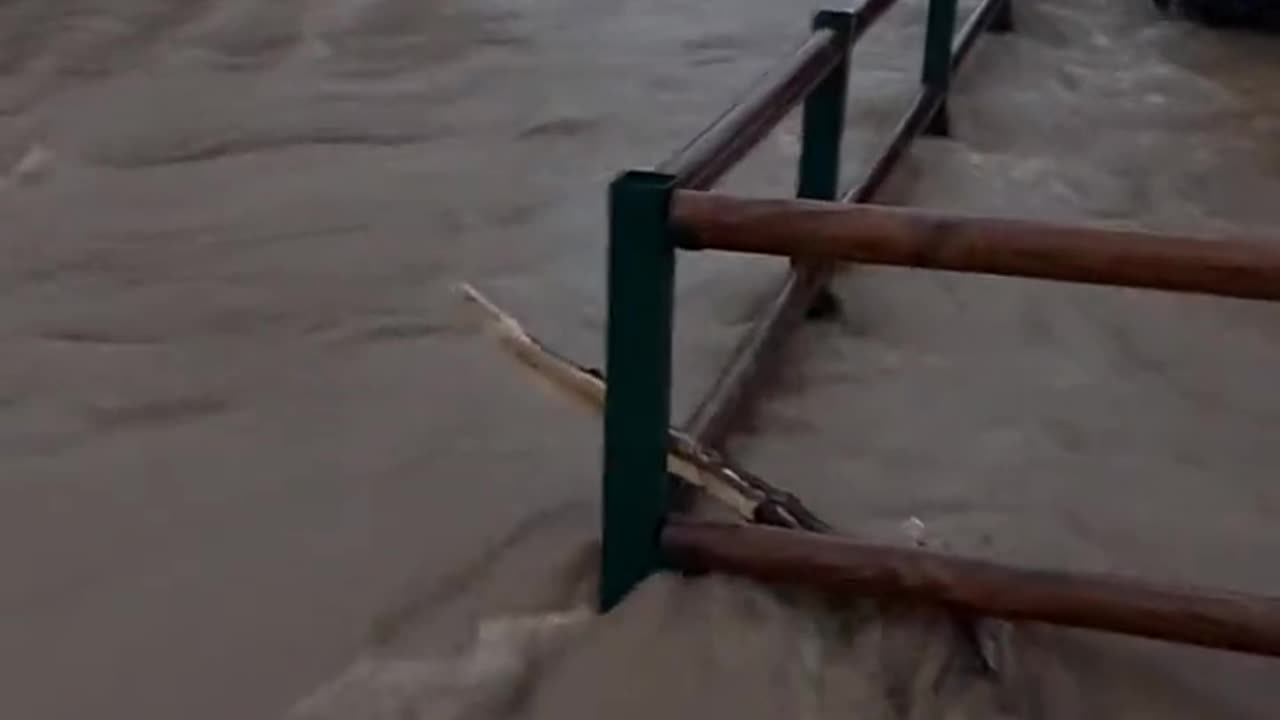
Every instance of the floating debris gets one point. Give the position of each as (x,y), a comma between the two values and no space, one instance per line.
(915,529)
(34,165)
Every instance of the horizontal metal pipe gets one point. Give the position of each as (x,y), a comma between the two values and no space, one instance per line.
(1215,619)
(754,353)
(759,347)
(867,14)
(922,110)
(978,22)
(909,128)
(878,235)
(731,136)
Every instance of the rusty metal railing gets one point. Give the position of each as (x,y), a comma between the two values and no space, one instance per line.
(642,258)
(654,214)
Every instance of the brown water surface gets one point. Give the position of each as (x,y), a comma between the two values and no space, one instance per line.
(249,444)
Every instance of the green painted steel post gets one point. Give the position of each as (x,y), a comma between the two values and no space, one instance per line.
(823,123)
(638,396)
(823,130)
(936,73)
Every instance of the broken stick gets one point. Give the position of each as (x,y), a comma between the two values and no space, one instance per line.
(746,494)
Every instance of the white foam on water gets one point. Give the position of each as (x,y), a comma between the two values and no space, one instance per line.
(391,688)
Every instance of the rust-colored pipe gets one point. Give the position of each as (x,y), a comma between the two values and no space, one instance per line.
(758,349)
(1216,619)
(735,133)
(1243,268)
(731,395)
(702,162)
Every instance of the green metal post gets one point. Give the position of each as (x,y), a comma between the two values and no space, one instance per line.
(823,129)
(823,125)
(638,397)
(936,74)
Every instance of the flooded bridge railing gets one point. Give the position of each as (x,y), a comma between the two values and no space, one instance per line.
(642,258)
(653,214)
(806,282)
(905,237)
(1246,268)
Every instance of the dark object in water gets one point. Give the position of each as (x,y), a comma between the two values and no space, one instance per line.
(1261,15)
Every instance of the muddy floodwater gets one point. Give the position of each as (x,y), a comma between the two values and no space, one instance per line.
(256,461)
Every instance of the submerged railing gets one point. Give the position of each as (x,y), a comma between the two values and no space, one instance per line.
(652,214)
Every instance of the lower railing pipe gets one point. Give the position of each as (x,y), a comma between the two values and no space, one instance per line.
(1209,618)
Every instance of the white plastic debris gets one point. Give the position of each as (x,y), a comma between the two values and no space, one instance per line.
(915,529)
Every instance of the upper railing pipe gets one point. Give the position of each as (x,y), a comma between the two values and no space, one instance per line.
(727,140)
(879,235)
(719,147)
(993,15)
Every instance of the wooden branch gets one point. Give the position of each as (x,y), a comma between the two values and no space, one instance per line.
(1239,267)
(1228,621)
(745,493)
